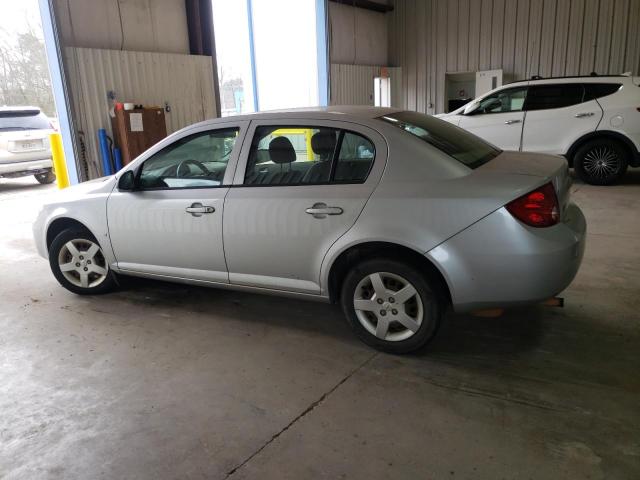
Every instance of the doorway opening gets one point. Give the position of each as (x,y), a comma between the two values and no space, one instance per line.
(382,91)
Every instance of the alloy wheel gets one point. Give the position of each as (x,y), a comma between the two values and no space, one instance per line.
(82,263)
(388,306)
(601,162)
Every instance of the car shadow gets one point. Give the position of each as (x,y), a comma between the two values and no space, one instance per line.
(547,344)
(17,185)
(632,177)
(516,331)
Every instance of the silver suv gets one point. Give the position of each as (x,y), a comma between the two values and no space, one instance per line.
(594,121)
(24,144)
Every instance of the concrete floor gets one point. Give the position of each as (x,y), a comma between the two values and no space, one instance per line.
(167,381)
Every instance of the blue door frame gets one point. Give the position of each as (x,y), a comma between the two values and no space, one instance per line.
(56,70)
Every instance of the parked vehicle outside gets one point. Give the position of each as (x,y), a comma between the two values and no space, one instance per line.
(593,121)
(24,144)
(395,215)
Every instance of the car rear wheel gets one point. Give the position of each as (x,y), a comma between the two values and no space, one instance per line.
(601,162)
(78,263)
(47,177)
(391,306)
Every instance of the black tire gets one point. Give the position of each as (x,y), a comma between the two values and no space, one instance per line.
(601,161)
(427,292)
(81,237)
(47,177)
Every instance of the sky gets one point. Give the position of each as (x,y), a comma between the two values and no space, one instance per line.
(16,17)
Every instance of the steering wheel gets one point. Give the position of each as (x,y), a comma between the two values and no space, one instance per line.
(190,161)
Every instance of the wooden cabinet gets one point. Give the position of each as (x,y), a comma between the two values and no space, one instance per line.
(134,131)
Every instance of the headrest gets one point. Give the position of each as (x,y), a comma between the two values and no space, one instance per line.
(281,150)
(323,143)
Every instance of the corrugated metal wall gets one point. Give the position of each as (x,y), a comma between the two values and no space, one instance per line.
(184,81)
(353,84)
(429,38)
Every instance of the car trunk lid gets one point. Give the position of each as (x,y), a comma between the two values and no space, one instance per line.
(547,168)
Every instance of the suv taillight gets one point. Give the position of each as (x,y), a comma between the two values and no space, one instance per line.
(538,208)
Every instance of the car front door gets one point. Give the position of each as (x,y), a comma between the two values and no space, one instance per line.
(299,186)
(556,116)
(498,118)
(171,223)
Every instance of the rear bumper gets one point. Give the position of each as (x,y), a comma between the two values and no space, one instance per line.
(499,262)
(20,169)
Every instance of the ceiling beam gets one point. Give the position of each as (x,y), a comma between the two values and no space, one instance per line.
(366,5)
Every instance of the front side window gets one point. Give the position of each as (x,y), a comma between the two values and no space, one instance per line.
(199,160)
(504,101)
(459,144)
(293,155)
(559,95)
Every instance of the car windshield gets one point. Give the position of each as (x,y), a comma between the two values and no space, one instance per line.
(455,142)
(23,120)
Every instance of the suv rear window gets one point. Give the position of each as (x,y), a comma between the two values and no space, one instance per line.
(11,120)
(558,95)
(597,90)
(463,146)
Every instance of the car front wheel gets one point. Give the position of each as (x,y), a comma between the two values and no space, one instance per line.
(78,263)
(600,162)
(391,306)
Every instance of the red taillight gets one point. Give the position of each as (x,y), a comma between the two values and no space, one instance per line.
(538,208)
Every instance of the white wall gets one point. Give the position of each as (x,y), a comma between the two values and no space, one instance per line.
(357,36)
(353,84)
(141,25)
(429,38)
(150,78)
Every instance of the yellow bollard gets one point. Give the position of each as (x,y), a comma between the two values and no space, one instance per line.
(59,164)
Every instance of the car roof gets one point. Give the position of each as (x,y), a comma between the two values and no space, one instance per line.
(334,112)
(19,109)
(569,79)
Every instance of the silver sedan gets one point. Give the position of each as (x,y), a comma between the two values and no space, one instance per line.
(394,214)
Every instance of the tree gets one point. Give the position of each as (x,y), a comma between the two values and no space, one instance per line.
(24,74)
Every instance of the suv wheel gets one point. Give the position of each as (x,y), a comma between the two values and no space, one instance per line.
(391,306)
(47,177)
(78,263)
(600,162)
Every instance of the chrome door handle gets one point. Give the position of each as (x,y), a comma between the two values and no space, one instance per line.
(321,210)
(584,114)
(512,121)
(197,209)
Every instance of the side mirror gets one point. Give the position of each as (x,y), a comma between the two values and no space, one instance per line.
(471,107)
(127,182)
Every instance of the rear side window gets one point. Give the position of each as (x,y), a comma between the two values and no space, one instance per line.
(454,141)
(355,159)
(598,90)
(23,120)
(559,95)
(303,155)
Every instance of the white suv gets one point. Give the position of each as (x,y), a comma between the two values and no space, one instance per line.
(24,144)
(593,121)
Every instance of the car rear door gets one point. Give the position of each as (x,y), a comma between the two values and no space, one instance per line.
(299,186)
(556,115)
(498,118)
(171,224)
